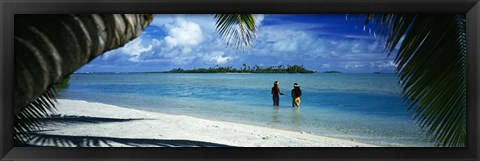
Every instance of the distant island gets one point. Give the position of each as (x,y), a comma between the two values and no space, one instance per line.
(246,69)
(332,71)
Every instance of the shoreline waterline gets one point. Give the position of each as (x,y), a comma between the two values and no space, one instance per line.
(364,107)
(115,125)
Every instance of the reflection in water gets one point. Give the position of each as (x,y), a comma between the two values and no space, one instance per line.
(276,115)
(296,116)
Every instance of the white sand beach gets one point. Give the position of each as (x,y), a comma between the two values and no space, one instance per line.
(81,123)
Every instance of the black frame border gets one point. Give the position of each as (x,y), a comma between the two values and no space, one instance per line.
(10,7)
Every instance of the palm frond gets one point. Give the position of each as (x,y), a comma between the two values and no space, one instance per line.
(238,29)
(27,121)
(431,61)
(45,53)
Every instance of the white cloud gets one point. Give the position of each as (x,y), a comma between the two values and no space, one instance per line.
(285,45)
(259,19)
(192,40)
(138,46)
(283,41)
(132,50)
(161,20)
(166,21)
(184,33)
(217,57)
(184,42)
(182,60)
(389,64)
(358,36)
(179,45)
(287,40)
(186,50)
(155,42)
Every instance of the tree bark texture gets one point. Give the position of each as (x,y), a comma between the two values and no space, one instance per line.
(51,47)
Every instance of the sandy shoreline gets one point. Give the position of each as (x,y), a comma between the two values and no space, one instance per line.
(81,123)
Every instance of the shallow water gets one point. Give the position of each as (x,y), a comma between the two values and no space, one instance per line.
(363,107)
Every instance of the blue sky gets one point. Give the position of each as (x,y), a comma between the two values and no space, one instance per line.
(319,42)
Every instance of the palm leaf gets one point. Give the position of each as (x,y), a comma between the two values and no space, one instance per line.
(46,53)
(238,29)
(27,121)
(432,70)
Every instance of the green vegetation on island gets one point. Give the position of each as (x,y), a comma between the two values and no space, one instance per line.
(246,69)
(331,71)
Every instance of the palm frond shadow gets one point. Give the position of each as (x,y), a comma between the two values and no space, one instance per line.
(82,119)
(93,141)
(42,139)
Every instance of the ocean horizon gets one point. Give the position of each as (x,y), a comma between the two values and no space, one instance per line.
(364,107)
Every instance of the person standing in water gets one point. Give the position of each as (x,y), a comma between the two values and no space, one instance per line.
(296,93)
(275,92)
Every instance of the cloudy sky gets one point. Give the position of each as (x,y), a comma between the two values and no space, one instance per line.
(319,42)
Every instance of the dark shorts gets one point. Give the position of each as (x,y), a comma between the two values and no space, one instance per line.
(276,100)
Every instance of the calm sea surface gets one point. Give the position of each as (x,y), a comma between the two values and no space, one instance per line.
(363,107)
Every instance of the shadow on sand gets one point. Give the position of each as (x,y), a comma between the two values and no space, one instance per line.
(93,141)
(82,119)
(42,139)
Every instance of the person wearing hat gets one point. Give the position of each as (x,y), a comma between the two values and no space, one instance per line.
(296,93)
(275,92)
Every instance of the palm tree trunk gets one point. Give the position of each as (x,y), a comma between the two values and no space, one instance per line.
(51,47)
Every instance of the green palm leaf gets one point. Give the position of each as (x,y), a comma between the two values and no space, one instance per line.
(431,62)
(238,29)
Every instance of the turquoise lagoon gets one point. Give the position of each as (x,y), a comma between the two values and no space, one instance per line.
(362,107)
